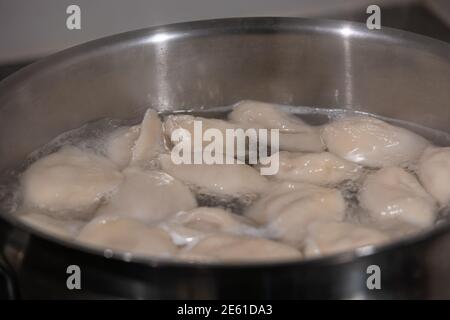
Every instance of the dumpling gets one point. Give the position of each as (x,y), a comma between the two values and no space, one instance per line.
(434,173)
(258,114)
(127,235)
(69,180)
(119,145)
(372,142)
(136,145)
(224,247)
(327,237)
(149,196)
(151,139)
(395,228)
(221,179)
(301,141)
(392,192)
(321,168)
(56,227)
(288,208)
(188,226)
(174,122)
(295,135)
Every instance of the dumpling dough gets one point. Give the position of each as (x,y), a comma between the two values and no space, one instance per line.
(333,237)
(392,192)
(288,208)
(222,179)
(136,145)
(174,122)
(189,226)
(69,180)
(322,168)
(119,144)
(434,173)
(225,247)
(149,196)
(295,135)
(56,227)
(151,139)
(372,142)
(127,235)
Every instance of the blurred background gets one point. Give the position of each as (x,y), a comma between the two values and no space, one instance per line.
(31,29)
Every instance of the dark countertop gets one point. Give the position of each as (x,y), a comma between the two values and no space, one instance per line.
(412,17)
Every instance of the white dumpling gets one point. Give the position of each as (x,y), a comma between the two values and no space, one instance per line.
(295,134)
(69,180)
(288,208)
(136,145)
(302,142)
(321,168)
(50,225)
(327,237)
(258,114)
(222,179)
(188,226)
(395,228)
(225,247)
(150,141)
(127,235)
(372,142)
(149,196)
(434,173)
(174,122)
(119,145)
(392,192)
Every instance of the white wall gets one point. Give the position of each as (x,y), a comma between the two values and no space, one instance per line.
(33,28)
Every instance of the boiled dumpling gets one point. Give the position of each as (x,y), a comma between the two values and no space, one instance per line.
(258,114)
(395,228)
(372,142)
(224,247)
(295,135)
(332,237)
(434,173)
(222,179)
(127,235)
(392,192)
(149,196)
(136,145)
(321,168)
(188,226)
(288,208)
(119,145)
(53,226)
(151,139)
(69,180)
(186,122)
(301,142)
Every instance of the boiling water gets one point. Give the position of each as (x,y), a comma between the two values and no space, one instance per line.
(92,137)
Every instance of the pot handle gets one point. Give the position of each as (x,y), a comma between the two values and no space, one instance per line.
(8,289)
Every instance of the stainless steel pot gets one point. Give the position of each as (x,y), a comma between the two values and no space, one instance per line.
(213,63)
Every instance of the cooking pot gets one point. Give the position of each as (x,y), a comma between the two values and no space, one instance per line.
(326,64)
